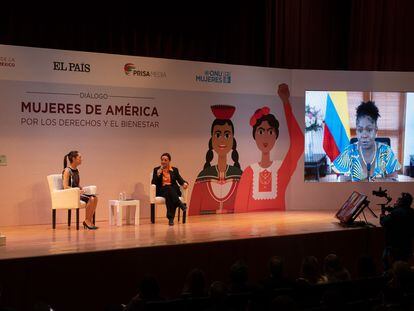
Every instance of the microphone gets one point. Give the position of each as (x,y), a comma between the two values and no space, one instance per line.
(368,170)
(160,170)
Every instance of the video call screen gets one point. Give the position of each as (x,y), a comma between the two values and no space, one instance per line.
(341,147)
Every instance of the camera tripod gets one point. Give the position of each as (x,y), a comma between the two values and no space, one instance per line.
(365,222)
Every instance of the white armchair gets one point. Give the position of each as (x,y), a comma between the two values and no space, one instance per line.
(66,199)
(157,202)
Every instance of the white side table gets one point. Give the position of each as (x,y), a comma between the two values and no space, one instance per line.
(118,204)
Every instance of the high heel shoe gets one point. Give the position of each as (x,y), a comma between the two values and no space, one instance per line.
(85,226)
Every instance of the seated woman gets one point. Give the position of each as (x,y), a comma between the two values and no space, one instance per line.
(367,159)
(167,178)
(71,179)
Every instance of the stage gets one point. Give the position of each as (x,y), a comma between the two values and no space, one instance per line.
(47,262)
(42,240)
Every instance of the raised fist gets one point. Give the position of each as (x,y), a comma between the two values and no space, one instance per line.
(283,92)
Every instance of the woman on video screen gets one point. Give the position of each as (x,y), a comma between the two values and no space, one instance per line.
(367,159)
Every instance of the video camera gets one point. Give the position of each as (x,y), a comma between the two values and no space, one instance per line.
(383,194)
(405,200)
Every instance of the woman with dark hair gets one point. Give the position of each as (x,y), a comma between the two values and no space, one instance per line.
(71,179)
(215,187)
(367,159)
(263,184)
(167,178)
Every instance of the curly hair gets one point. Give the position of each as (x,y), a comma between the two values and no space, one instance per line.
(368,109)
(271,119)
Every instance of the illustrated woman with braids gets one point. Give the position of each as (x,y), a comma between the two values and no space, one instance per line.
(216,185)
(263,184)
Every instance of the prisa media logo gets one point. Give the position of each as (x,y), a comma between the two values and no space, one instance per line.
(214,76)
(131,70)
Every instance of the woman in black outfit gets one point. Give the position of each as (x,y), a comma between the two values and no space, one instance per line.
(71,179)
(167,179)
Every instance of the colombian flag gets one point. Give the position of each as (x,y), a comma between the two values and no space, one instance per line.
(336,133)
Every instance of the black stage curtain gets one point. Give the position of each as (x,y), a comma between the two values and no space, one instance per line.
(382,35)
(303,34)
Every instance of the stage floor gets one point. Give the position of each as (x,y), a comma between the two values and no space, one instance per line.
(42,240)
